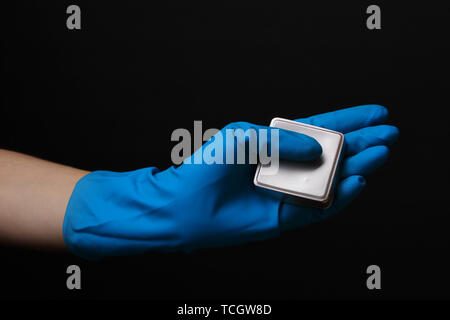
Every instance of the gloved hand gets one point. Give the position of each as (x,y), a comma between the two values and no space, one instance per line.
(207,205)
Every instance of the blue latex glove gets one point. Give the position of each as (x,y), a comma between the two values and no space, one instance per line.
(200,205)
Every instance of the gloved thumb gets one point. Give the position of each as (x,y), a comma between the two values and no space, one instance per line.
(288,145)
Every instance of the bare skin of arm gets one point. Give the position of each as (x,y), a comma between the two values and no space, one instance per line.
(33,198)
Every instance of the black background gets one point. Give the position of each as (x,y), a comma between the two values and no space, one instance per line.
(108,96)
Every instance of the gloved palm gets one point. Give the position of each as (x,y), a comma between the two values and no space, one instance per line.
(208,205)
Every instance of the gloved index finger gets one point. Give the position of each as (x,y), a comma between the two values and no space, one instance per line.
(359,140)
(349,119)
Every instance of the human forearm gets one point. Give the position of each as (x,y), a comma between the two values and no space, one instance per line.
(33,199)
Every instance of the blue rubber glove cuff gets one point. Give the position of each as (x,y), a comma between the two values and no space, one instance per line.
(111,214)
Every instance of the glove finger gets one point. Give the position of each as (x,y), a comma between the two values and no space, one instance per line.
(294,216)
(365,162)
(347,191)
(350,119)
(297,146)
(291,145)
(359,140)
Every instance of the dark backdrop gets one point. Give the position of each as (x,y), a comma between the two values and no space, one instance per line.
(109,95)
